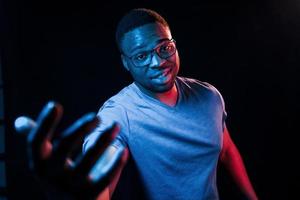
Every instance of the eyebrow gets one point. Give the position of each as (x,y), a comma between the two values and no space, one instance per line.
(144,45)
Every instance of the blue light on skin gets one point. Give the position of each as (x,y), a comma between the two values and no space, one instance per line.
(145,38)
(24,124)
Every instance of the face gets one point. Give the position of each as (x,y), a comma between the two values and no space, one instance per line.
(159,75)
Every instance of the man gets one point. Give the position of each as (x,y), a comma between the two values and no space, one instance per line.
(173,127)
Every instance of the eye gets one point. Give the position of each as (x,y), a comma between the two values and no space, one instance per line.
(141,56)
(169,47)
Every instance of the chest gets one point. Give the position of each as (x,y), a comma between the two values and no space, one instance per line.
(184,134)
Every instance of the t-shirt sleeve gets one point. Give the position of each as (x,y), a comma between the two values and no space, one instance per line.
(223,104)
(224,110)
(109,114)
(217,92)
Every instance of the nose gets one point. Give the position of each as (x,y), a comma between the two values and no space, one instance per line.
(156,61)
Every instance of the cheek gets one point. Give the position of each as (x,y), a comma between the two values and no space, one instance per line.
(177,59)
(138,74)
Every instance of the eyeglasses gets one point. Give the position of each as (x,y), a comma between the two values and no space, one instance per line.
(164,50)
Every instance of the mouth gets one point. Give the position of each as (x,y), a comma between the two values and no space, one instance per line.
(162,74)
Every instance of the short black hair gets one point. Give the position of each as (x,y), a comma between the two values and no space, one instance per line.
(135,18)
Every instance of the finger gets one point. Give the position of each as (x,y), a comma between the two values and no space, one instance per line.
(103,174)
(73,136)
(87,161)
(24,124)
(115,175)
(41,134)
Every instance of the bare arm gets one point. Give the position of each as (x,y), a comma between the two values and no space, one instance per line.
(232,160)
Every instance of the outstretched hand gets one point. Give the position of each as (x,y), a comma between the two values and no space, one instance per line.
(55,161)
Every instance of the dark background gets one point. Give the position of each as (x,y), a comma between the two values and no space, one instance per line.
(249,50)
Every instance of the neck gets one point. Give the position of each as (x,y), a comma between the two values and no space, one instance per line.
(169,97)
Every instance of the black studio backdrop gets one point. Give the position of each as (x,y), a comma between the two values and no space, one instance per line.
(65,51)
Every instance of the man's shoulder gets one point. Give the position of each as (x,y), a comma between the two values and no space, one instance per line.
(193,83)
(120,98)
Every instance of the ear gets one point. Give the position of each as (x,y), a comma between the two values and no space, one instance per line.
(125,62)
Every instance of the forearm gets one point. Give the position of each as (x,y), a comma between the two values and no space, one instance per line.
(233,162)
(235,165)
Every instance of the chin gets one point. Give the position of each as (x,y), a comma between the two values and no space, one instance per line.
(164,88)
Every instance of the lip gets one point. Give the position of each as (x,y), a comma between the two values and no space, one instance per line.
(164,72)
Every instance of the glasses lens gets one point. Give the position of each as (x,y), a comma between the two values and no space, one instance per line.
(141,59)
(164,50)
(167,49)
